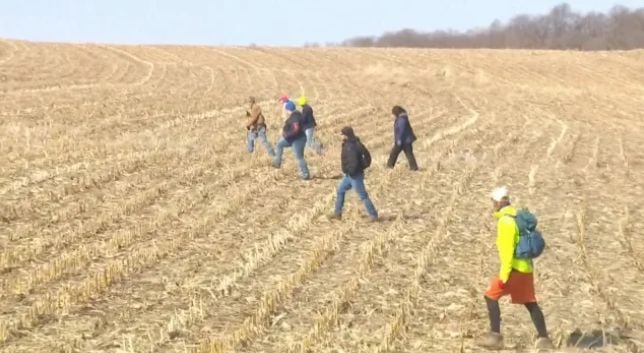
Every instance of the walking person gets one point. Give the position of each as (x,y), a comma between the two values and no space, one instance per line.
(404,137)
(515,277)
(309,124)
(355,158)
(256,128)
(292,136)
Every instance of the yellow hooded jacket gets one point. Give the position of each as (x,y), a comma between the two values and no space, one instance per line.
(506,242)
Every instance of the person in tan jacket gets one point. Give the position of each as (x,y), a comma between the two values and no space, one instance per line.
(256,127)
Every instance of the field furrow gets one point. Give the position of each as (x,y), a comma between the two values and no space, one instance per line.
(132,218)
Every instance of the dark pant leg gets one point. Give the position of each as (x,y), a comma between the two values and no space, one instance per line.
(537,319)
(494,311)
(409,152)
(393,156)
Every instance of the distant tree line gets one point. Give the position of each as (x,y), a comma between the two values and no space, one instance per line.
(561,28)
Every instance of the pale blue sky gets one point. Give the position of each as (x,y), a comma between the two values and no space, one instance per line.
(263,22)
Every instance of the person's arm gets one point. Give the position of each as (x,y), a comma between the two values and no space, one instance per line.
(354,161)
(365,154)
(312,117)
(506,246)
(399,129)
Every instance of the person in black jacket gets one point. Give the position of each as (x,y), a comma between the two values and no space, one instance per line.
(292,136)
(309,125)
(355,159)
(404,137)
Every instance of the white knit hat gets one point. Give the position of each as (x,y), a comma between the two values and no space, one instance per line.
(499,193)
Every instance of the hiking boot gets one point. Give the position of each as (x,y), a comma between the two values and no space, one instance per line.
(335,216)
(374,219)
(275,165)
(543,343)
(491,340)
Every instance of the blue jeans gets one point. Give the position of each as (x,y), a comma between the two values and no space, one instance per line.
(298,150)
(261,135)
(311,141)
(357,183)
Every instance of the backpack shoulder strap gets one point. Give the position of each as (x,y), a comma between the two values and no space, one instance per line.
(363,148)
(365,152)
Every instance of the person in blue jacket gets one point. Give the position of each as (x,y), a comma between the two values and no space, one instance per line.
(292,136)
(404,137)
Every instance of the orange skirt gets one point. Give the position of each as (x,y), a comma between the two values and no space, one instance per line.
(520,288)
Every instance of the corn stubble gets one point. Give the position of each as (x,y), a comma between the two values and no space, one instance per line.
(131,212)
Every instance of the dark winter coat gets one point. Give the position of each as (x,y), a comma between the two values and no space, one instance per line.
(308,120)
(403,133)
(293,127)
(354,157)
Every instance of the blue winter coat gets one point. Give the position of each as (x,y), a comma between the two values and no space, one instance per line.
(403,133)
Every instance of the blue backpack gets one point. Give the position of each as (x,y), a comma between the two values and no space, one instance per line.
(531,243)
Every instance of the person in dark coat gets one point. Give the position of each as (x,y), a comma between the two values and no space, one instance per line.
(309,125)
(403,139)
(292,136)
(355,158)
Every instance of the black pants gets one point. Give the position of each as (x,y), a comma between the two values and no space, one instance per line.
(533,308)
(409,153)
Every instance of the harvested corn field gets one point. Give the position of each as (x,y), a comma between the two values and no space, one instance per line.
(132,218)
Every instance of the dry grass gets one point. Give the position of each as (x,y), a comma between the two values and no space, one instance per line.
(133,220)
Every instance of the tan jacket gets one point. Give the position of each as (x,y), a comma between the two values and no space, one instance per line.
(256,119)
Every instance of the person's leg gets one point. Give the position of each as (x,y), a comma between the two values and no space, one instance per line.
(409,152)
(494,312)
(298,149)
(279,150)
(537,319)
(312,141)
(521,288)
(359,187)
(393,156)
(250,141)
(264,139)
(343,187)
(309,137)
(493,338)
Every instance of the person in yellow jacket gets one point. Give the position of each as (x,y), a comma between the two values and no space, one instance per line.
(515,277)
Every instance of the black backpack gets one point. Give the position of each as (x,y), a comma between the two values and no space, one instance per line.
(365,159)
